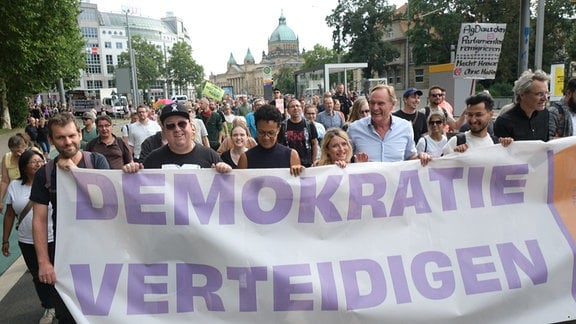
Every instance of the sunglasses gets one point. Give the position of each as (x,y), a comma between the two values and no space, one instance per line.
(436,95)
(181,124)
(435,122)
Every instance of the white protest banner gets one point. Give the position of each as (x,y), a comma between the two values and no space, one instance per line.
(478,51)
(481,237)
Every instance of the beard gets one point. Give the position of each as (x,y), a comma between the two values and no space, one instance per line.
(572,105)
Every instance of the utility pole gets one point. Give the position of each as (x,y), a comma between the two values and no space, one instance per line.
(135,94)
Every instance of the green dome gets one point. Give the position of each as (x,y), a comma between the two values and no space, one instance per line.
(282,33)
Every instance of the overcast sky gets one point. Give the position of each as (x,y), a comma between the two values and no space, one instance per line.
(220,27)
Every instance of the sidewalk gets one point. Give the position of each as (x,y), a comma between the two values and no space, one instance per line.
(18,300)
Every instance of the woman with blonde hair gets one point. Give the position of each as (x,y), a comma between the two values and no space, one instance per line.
(337,149)
(227,142)
(359,110)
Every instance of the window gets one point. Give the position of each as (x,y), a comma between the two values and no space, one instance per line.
(90,32)
(107,44)
(390,79)
(111,84)
(93,64)
(94,84)
(419,75)
(118,45)
(109,60)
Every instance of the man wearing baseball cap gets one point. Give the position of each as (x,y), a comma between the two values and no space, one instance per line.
(410,112)
(181,151)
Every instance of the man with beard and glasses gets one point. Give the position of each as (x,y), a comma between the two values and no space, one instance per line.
(563,113)
(479,113)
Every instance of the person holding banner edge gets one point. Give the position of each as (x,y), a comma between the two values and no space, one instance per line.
(65,135)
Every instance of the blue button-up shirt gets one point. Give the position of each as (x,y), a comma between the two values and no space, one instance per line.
(330,121)
(397,145)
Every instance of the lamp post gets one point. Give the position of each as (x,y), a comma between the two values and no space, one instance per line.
(407,50)
(165,68)
(132,64)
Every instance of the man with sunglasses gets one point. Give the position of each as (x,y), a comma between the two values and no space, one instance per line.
(410,112)
(181,151)
(435,98)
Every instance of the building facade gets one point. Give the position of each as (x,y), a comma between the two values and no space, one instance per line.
(106,36)
(247,78)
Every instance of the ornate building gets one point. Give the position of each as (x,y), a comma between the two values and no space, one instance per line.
(247,78)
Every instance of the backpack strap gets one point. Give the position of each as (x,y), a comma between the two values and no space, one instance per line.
(425,144)
(460,139)
(87,156)
(495,139)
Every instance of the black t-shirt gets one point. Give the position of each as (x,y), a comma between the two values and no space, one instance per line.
(514,123)
(42,195)
(418,121)
(299,136)
(200,155)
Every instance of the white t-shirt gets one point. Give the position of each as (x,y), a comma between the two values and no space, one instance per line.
(140,132)
(18,196)
(472,141)
(428,145)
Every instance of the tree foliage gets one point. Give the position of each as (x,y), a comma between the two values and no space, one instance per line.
(432,34)
(318,56)
(38,48)
(182,68)
(359,26)
(149,61)
(284,80)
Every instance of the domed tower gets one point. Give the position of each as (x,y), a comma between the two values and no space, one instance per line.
(283,42)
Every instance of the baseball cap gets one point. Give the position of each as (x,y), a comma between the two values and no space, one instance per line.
(174,109)
(412,91)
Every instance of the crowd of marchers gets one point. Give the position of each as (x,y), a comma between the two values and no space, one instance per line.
(285,132)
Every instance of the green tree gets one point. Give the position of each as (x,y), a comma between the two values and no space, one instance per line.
(284,80)
(355,32)
(319,55)
(149,62)
(434,28)
(38,48)
(182,68)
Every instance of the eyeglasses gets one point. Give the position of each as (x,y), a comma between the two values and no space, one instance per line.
(540,94)
(435,122)
(36,162)
(270,134)
(181,124)
(103,126)
(365,111)
(436,95)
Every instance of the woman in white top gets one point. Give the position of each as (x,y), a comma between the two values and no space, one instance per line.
(433,142)
(16,202)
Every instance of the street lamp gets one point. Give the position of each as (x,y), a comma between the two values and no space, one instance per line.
(132,64)
(165,68)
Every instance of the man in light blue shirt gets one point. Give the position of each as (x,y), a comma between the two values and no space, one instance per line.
(329,118)
(384,137)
